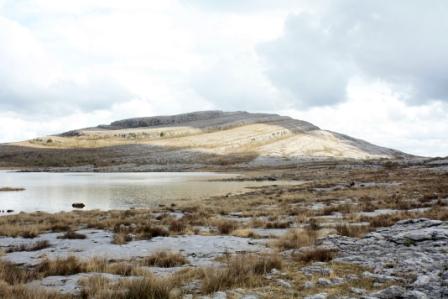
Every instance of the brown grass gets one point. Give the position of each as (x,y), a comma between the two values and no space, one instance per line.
(296,238)
(277,224)
(226,227)
(177,226)
(245,233)
(386,220)
(140,223)
(353,231)
(149,287)
(72,235)
(72,265)
(154,231)
(315,255)
(61,266)
(31,234)
(121,238)
(344,209)
(244,270)
(165,259)
(124,233)
(29,247)
(13,274)
(22,292)
(438,213)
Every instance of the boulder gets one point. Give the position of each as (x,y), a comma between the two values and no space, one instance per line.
(78,205)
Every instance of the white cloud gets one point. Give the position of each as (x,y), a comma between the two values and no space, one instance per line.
(401,42)
(70,64)
(377,114)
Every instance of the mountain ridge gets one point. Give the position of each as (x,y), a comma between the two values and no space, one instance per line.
(193,140)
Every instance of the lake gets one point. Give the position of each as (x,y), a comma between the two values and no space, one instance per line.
(52,192)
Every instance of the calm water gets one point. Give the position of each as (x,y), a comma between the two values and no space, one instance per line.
(53,192)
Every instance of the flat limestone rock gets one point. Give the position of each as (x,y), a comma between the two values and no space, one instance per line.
(411,251)
(200,250)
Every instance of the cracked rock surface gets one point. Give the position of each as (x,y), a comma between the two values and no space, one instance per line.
(413,253)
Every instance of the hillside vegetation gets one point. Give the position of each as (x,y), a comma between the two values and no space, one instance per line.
(191,140)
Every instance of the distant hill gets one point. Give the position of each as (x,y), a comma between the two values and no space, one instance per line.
(205,139)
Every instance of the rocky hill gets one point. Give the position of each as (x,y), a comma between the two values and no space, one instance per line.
(204,139)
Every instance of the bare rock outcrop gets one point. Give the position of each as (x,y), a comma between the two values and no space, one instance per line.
(412,253)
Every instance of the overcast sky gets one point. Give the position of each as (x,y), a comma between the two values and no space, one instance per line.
(372,69)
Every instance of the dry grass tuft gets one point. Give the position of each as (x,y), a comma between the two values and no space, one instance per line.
(13,274)
(277,224)
(30,234)
(125,233)
(22,292)
(121,238)
(165,259)
(245,233)
(177,226)
(385,220)
(61,266)
(296,238)
(330,210)
(353,231)
(315,255)
(72,265)
(149,287)
(72,235)
(243,270)
(440,213)
(39,245)
(226,227)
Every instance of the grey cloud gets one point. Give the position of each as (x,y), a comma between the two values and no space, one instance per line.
(400,42)
(305,63)
(235,84)
(31,83)
(62,97)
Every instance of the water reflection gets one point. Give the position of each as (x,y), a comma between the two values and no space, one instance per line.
(57,191)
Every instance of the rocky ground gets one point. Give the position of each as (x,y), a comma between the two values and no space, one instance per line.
(335,231)
(413,254)
(406,260)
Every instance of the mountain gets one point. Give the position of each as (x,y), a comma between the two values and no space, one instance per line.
(206,139)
